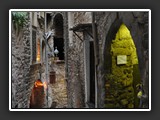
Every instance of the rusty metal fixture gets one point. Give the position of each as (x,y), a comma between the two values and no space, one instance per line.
(52,77)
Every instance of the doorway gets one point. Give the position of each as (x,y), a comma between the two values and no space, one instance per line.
(124,72)
(92,74)
(59,44)
(37,95)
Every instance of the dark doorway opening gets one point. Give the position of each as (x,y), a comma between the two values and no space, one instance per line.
(59,44)
(37,95)
(124,75)
(58,37)
(92,73)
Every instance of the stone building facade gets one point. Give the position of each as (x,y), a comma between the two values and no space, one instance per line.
(84,41)
(28,64)
(20,67)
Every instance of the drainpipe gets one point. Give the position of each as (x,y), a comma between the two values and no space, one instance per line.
(95,54)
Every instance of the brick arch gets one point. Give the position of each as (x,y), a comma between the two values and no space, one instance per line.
(107,47)
(58,21)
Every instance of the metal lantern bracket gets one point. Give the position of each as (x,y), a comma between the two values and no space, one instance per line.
(77,35)
(46,37)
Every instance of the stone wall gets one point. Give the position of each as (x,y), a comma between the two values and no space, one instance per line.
(103,20)
(76,83)
(21,67)
(24,71)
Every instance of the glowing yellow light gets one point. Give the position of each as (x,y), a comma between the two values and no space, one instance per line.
(45,85)
(38,84)
(38,58)
(124,45)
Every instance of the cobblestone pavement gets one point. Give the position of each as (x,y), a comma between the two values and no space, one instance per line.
(59,91)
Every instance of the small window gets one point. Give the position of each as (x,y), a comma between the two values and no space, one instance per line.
(38,58)
(43,52)
(33,46)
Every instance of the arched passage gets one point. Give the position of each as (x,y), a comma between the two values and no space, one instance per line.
(37,95)
(122,75)
(58,37)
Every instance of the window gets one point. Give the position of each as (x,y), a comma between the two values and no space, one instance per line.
(38,58)
(43,52)
(33,46)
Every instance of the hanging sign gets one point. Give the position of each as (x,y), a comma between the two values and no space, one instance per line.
(121,59)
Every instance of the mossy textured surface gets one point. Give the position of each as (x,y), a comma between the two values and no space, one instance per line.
(119,84)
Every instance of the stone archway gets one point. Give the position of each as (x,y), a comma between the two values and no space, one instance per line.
(37,95)
(58,23)
(119,82)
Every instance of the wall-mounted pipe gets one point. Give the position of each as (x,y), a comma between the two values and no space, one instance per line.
(95,55)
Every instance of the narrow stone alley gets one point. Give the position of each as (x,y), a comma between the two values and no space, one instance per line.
(80,59)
